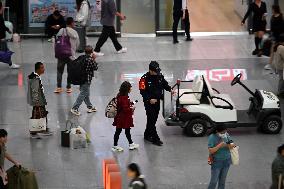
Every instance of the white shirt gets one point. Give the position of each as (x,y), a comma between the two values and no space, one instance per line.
(184,4)
(74,40)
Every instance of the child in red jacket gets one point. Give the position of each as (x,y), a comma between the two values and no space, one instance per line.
(124,117)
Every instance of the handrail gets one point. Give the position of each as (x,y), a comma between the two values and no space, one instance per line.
(224,107)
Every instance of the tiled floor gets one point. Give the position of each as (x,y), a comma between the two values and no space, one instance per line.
(182,162)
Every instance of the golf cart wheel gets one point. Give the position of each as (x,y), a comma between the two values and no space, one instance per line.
(272,124)
(196,128)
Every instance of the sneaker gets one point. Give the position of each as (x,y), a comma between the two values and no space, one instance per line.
(175,42)
(58,90)
(75,112)
(268,67)
(255,52)
(99,54)
(158,143)
(15,66)
(189,39)
(91,110)
(133,146)
(69,90)
(117,149)
(123,50)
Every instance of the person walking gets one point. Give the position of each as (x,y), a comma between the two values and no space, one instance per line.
(219,145)
(277,168)
(90,65)
(36,97)
(3,42)
(259,10)
(124,117)
(180,10)
(83,18)
(53,24)
(74,41)
(5,155)
(108,14)
(137,180)
(278,63)
(151,86)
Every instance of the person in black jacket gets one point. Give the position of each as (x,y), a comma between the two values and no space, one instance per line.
(3,42)
(259,10)
(180,10)
(277,23)
(277,29)
(151,86)
(137,180)
(53,24)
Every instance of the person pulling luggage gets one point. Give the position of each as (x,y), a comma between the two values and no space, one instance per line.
(4,155)
(151,86)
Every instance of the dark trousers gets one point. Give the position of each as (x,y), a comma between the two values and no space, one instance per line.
(152,113)
(108,31)
(117,133)
(4,47)
(60,70)
(50,32)
(177,15)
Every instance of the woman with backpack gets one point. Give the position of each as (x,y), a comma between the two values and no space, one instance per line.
(219,145)
(83,18)
(124,117)
(137,180)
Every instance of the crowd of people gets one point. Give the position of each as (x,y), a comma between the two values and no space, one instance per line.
(151,85)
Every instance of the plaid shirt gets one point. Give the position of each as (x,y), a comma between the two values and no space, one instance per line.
(90,67)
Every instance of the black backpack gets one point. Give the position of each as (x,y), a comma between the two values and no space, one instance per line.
(77,71)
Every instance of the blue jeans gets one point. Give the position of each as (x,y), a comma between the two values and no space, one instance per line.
(219,171)
(83,96)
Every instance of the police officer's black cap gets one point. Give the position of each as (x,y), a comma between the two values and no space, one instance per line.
(154,66)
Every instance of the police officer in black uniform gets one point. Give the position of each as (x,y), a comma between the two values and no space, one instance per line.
(151,86)
(180,10)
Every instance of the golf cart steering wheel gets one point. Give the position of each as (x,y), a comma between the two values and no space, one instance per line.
(236,80)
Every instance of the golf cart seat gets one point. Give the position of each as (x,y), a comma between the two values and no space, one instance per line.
(217,99)
(192,98)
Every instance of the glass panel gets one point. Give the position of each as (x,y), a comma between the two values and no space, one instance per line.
(140,16)
(166,15)
(281,3)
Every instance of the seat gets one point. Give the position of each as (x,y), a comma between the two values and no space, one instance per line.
(193,98)
(216,101)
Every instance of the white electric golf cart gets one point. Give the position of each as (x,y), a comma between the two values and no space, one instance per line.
(202,107)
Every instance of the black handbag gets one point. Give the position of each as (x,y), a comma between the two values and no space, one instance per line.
(65,135)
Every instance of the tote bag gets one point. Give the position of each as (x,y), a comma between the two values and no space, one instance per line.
(63,46)
(37,124)
(235,155)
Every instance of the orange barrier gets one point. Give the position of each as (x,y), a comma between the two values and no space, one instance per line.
(105,162)
(114,179)
(111,168)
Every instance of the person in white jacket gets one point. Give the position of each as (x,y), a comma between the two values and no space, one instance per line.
(74,40)
(83,18)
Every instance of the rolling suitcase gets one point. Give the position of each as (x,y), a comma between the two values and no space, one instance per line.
(82,37)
